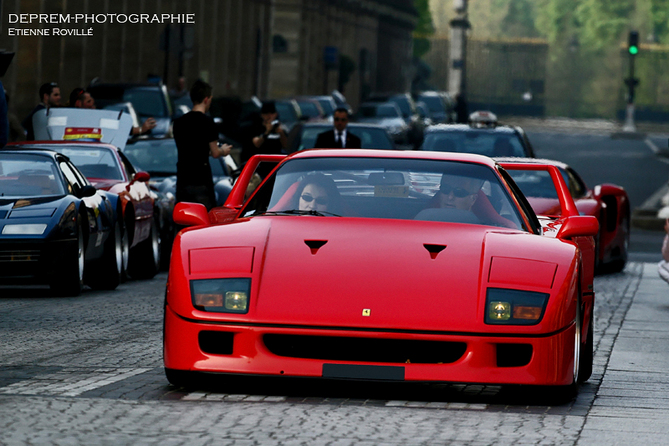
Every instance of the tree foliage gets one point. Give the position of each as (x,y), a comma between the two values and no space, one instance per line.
(424,28)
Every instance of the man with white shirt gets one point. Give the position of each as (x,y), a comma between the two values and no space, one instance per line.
(339,137)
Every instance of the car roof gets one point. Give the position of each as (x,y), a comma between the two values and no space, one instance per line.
(53,145)
(398,154)
(351,125)
(509,159)
(467,128)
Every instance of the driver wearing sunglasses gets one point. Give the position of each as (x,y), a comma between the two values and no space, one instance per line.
(318,193)
(457,192)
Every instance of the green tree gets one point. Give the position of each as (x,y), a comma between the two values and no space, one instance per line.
(424,28)
(659,16)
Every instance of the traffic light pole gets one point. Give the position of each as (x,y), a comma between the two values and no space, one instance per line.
(631,82)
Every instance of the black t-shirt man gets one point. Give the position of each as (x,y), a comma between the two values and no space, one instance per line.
(192,133)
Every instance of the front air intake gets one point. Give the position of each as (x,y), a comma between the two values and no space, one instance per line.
(355,349)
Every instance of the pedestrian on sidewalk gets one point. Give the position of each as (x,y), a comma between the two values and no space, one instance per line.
(663,266)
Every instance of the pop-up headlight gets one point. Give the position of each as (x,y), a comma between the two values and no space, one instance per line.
(514,307)
(221,295)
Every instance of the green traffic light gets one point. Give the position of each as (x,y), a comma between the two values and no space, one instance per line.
(634,50)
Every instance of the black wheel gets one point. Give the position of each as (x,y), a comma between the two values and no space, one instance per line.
(166,240)
(587,354)
(69,277)
(145,257)
(107,272)
(619,264)
(179,378)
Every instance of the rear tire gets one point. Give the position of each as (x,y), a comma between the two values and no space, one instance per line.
(107,272)
(69,277)
(145,257)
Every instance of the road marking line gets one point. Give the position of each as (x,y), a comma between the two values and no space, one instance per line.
(71,384)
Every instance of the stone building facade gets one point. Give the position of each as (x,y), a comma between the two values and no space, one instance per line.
(266,48)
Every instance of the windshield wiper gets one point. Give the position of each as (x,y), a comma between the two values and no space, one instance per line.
(297,212)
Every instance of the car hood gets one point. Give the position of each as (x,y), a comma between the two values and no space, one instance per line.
(317,271)
(382,267)
(20,211)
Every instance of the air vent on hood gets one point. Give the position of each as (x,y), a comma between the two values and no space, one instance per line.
(315,245)
(434,250)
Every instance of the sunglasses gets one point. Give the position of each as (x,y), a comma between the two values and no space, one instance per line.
(323,201)
(457,191)
(340,119)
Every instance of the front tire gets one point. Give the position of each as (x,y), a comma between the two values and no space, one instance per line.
(107,272)
(69,278)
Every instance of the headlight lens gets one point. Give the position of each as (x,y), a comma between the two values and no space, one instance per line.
(514,307)
(33,229)
(221,295)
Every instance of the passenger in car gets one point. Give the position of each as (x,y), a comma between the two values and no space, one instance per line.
(317,192)
(457,192)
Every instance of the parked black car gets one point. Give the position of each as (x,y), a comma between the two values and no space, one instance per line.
(55,227)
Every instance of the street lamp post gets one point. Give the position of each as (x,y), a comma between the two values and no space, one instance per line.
(458,49)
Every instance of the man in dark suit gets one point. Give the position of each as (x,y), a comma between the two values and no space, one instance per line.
(339,137)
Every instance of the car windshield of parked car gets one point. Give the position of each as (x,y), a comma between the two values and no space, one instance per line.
(94,162)
(327,107)
(481,142)
(407,189)
(157,157)
(539,189)
(404,105)
(147,102)
(370,137)
(28,176)
(434,103)
(286,112)
(309,109)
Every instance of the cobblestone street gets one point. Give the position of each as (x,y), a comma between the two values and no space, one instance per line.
(88,370)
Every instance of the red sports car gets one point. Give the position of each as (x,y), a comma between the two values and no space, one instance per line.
(108,169)
(608,202)
(381,265)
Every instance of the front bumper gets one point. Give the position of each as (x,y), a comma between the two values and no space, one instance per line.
(550,361)
(34,260)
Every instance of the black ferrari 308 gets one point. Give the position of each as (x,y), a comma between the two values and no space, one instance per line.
(55,227)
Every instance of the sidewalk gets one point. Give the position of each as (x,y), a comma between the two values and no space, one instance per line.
(632,403)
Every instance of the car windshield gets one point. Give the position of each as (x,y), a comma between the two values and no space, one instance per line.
(481,142)
(155,157)
(147,102)
(286,112)
(370,137)
(327,107)
(309,109)
(404,105)
(407,189)
(94,162)
(28,176)
(434,103)
(159,158)
(379,111)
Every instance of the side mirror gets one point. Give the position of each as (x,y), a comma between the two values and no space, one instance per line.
(190,214)
(87,191)
(142,177)
(579,226)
